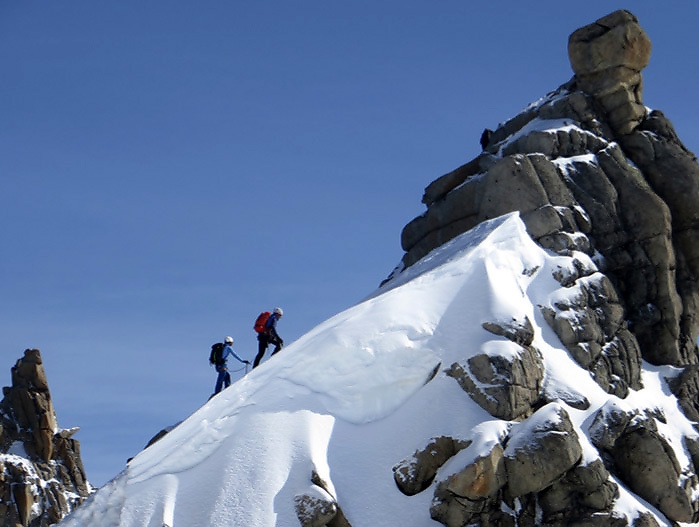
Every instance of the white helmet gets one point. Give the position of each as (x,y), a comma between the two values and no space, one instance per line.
(229,340)
(278,311)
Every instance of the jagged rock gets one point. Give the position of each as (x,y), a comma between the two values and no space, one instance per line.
(607,58)
(612,190)
(40,489)
(506,386)
(673,173)
(484,197)
(614,184)
(24,500)
(415,474)
(540,450)
(31,403)
(589,320)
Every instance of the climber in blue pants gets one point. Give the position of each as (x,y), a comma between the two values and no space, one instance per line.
(224,377)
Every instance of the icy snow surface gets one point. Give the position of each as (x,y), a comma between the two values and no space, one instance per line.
(353,397)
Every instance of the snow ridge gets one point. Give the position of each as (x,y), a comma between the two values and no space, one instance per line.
(360,392)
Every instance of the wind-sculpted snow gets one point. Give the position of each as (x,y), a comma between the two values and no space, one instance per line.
(354,396)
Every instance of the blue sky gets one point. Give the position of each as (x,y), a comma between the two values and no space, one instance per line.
(169,169)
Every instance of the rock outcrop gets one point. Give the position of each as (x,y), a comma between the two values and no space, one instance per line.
(41,474)
(318,507)
(606,184)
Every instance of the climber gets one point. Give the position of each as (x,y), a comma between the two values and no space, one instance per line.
(269,336)
(224,377)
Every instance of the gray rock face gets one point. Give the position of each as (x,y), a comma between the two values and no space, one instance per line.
(625,193)
(611,190)
(673,173)
(41,474)
(592,328)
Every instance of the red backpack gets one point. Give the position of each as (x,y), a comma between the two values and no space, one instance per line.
(261,322)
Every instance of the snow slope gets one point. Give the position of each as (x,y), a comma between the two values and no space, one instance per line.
(356,395)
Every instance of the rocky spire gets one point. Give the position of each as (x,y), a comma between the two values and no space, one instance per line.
(607,58)
(595,177)
(41,474)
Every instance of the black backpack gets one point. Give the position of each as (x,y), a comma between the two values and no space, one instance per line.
(216,355)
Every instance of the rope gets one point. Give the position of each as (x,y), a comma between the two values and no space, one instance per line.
(245,367)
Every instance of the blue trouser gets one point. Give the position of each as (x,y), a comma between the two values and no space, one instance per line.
(223,378)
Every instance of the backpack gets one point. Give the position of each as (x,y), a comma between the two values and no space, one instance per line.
(215,357)
(261,322)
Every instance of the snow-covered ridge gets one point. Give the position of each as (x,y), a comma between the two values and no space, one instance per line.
(359,393)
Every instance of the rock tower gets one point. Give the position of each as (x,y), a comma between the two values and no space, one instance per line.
(591,171)
(41,474)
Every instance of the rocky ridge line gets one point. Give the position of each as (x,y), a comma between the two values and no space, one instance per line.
(42,477)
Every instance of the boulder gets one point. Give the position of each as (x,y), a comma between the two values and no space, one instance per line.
(541,450)
(472,495)
(584,491)
(642,458)
(614,41)
(416,473)
(647,464)
(607,58)
(506,386)
(481,479)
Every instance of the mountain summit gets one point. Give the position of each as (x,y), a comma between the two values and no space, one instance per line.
(532,360)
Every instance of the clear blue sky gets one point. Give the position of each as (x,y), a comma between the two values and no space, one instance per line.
(169,169)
